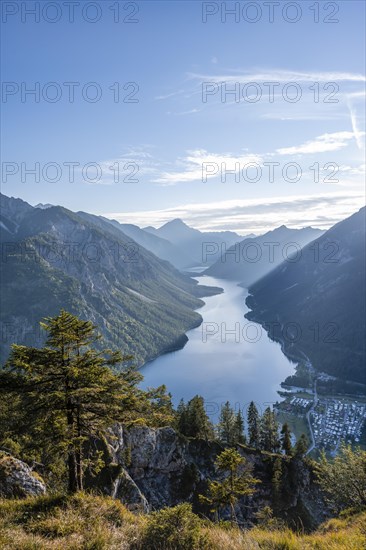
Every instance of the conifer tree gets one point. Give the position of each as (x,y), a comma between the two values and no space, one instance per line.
(227,425)
(269,431)
(239,428)
(198,421)
(193,420)
(253,425)
(236,481)
(286,444)
(181,418)
(69,393)
(301,446)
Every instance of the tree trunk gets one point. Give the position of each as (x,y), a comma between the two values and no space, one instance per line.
(79,453)
(71,459)
(232,511)
(71,465)
(232,514)
(79,470)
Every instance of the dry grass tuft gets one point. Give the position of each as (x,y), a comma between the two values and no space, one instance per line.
(90,522)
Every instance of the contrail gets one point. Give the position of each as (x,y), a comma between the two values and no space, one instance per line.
(356,131)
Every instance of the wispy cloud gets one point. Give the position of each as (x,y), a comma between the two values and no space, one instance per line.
(189,112)
(304,115)
(254,215)
(321,144)
(353,170)
(169,95)
(279,75)
(200,165)
(192,166)
(131,166)
(357,95)
(330,100)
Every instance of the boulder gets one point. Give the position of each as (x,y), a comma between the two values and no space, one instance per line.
(17,480)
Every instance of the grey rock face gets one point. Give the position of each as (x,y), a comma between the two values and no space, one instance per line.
(127,491)
(163,468)
(17,479)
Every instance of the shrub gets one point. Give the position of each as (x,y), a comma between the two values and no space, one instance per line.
(343,479)
(175,528)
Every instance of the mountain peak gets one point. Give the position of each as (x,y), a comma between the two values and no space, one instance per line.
(177,231)
(43,206)
(177,222)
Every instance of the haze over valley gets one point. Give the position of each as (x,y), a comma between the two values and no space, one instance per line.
(145,288)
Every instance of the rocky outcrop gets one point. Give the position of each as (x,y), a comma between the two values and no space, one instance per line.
(149,468)
(17,479)
(127,491)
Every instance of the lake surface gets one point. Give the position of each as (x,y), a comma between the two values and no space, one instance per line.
(227,358)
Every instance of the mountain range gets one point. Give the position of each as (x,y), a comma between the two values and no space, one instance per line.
(159,246)
(176,242)
(316,305)
(253,257)
(53,258)
(202,248)
(306,286)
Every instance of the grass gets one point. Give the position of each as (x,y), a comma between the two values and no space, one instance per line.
(58,522)
(89,522)
(298,425)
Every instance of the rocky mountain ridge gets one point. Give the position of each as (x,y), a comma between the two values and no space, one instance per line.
(150,468)
(53,258)
(321,296)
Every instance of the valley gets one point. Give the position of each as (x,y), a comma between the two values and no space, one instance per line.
(53,258)
(183,276)
(286,328)
(226,358)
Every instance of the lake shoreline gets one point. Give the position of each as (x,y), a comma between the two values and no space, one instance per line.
(221,367)
(182,339)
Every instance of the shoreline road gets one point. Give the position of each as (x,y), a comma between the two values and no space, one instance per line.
(312,446)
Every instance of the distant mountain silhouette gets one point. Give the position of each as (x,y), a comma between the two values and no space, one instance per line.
(204,248)
(162,248)
(323,295)
(252,258)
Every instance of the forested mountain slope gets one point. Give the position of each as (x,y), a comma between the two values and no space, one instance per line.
(322,295)
(52,259)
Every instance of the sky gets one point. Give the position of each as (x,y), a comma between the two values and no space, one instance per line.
(148,111)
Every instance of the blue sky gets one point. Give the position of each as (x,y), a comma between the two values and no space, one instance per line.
(174,138)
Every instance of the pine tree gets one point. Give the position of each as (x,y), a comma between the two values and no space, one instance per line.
(269,431)
(155,407)
(69,392)
(227,425)
(236,481)
(286,444)
(182,420)
(239,429)
(253,426)
(193,420)
(198,421)
(301,446)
